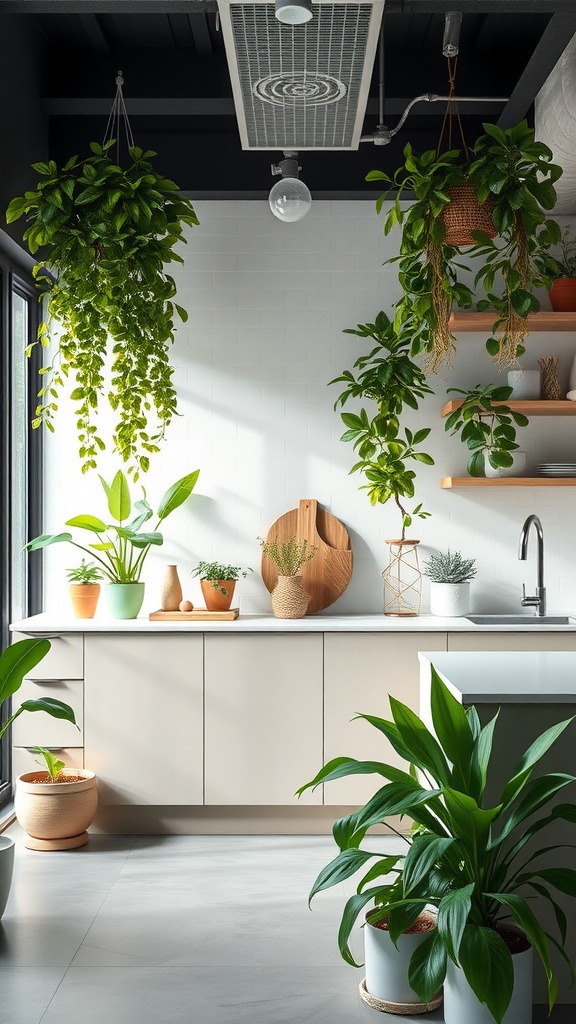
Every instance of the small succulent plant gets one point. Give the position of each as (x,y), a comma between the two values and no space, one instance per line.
(449,567)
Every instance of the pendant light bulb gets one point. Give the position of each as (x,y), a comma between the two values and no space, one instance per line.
(290,199)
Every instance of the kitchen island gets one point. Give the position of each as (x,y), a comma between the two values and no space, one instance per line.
(532,690)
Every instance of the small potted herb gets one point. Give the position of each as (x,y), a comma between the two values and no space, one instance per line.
(488,427)
(84,588)
(449,576)
(218,583)
(563,291)
(289,597)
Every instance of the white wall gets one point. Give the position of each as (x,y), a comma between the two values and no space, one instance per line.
(268,303)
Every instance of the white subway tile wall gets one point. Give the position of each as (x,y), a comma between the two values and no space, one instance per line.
(267,305)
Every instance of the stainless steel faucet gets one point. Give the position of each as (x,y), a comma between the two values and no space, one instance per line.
(537,600)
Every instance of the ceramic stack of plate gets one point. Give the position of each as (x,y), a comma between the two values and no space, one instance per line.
(557,469)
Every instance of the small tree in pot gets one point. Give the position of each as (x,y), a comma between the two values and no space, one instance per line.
(449,576)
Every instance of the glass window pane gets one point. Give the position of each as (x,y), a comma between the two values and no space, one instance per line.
(19,451)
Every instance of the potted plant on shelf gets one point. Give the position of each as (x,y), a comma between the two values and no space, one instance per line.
(107,233)
(390,377)
(84,588)
(469,861)
(449,576)
(16,662)
(289,598)
(55,806)
(121,547)
(218,583)
(488,427)
(563,290)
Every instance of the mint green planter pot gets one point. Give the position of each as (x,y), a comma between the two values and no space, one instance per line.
(124,599)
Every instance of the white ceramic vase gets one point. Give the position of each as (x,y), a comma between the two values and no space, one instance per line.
(6,869)
(449,599)
(525,384)
(572,377)
(462,1007)
(387,965)
(518,467)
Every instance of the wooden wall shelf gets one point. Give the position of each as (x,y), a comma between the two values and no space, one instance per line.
(529,408)
(508,481)
(464,320)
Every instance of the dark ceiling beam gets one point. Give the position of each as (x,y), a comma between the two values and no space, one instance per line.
(94,33)
(550,48)
(195,6)
(201,33)
(178,106)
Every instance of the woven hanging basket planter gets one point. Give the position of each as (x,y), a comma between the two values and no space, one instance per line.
(465,214)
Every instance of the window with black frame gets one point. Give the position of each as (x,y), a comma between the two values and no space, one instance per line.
(21,481)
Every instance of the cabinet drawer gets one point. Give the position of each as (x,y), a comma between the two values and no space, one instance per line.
(25,760)
(65,659)
(36,728)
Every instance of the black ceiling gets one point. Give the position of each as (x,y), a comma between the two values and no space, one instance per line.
(178,92)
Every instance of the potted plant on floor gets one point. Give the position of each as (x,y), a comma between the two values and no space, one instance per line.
(16,662)
(469,861)
(289,598)
(84,588)
(389,377)
(218,582)
(107,233)
(563,290)
(449,576)
(488,428)
(121,547)
(55,806)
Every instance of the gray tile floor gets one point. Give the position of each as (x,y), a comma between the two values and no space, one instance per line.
(174,929)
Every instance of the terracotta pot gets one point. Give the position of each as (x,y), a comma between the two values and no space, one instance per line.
(56,814)
(84,597)
(216,600)
(563,295)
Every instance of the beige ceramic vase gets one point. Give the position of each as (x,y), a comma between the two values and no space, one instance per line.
(171,590)
(55,815)
(289,598)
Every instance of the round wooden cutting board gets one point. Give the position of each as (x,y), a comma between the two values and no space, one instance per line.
(325,576)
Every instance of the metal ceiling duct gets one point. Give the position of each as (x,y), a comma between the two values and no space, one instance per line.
(305,86)
(555,123)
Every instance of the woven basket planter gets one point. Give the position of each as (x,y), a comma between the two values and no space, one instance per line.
(289,598)
(465,214)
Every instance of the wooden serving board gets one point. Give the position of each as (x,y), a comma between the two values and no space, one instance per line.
(194,616)
(325,576)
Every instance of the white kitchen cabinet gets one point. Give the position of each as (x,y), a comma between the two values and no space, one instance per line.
(360,671)
(263,731)
(65,659)
(40,729)
(143,717)
(536,641)
(24,759)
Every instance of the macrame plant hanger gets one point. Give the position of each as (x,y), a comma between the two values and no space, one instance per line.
(452,113)
(115,117)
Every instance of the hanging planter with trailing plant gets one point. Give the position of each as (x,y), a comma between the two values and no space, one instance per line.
(107,233)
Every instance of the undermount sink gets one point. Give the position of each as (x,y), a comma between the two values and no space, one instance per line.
(522,620)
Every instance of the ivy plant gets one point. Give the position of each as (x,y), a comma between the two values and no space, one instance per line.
(519,174)
(487,428)
(390,377)
(106,235)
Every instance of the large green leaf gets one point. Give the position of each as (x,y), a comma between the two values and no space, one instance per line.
(87,523)
(17,661)
(401,916)
(453,913)
(47,538)
(487,964)
(481,757)
(537,795)
(428,967)
(347,863)
(351,910)
(524,916)
(118,494)
(142,540)
(423,854)
(53,707)
(563,879)
(340,767)
(396,798)
(470,822)
(391,732)
(424,749)
(531,757)
(177,494)
(452,729)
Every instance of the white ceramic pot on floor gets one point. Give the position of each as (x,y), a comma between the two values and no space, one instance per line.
(462,1007)
(387,964)
(449,598)
(6,869)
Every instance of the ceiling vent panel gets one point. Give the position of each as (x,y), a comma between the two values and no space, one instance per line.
(301,87)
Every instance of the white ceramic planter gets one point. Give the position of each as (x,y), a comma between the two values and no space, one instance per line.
(6,869)
(525,384)
(462,1007)
(387,965)
(518,467)
(449,599)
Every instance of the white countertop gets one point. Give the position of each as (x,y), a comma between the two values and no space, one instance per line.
(506,677)
(52,622)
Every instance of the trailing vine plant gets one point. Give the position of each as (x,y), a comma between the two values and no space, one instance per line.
(389,377)
(107,234)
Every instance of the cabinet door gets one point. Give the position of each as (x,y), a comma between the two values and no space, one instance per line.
(360,671)
(26,760)
(65,659)
(143,717)
(263,717)
(536,641)
(41,729)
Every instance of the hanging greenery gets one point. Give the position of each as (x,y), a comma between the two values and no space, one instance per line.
(107,234)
